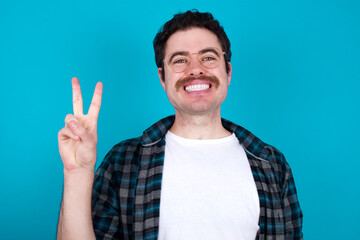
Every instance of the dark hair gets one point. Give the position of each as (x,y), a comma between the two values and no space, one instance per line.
(183,21)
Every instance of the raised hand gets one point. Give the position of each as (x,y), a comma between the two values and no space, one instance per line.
(78,139)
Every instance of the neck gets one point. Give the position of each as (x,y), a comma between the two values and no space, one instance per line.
(199,126)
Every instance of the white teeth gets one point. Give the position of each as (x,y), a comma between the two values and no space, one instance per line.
(197,87)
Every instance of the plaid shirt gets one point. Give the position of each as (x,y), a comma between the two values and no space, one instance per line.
(127,186)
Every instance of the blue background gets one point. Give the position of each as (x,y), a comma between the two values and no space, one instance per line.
(296,72)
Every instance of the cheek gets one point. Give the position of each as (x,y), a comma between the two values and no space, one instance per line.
(171,79)
(223,78)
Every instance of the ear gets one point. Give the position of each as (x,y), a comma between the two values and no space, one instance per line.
(162,81)
(229,73)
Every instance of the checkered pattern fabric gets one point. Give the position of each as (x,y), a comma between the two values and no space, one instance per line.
(127,187)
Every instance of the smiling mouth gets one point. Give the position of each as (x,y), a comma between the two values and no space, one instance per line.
(197,83)
(197,87)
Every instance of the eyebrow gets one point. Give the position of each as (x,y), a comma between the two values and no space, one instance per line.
(182,53)
(178,53)
(209,50)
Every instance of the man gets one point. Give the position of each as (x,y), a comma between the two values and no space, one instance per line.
(189,176)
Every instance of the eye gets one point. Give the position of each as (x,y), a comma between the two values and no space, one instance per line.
(208,59)
(179,61)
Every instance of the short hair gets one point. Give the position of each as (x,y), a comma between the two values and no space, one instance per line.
(183,21)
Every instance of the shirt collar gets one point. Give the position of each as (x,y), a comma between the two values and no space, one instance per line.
(250,142)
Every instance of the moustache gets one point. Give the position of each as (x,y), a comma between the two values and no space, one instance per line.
(180,83)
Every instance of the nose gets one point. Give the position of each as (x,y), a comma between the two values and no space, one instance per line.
(195,67)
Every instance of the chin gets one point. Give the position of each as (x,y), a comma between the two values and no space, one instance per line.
(201,108)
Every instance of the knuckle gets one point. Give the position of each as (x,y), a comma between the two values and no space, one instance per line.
(77,129)
(70,118)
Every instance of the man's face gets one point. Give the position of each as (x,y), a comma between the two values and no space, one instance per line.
(198,89)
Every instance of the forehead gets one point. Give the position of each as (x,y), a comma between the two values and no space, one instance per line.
(191,40)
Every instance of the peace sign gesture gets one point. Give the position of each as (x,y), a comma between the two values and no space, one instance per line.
(78,139)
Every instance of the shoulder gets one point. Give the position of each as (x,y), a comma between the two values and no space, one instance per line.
(122,152)
(262,154)
(279,164)
(277,158)
(125,146)
(129,152)
(119,161)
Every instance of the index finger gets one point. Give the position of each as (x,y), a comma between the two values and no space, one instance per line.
(96,101)
(77,98)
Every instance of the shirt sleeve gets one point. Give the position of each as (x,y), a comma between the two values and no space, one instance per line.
(105,204)
(292,211)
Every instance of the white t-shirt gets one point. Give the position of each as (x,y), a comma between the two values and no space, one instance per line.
(208,191)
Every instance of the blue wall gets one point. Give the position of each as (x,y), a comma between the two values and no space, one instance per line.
(296,84)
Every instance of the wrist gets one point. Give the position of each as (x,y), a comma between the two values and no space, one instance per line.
(79,171)
(79,180)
